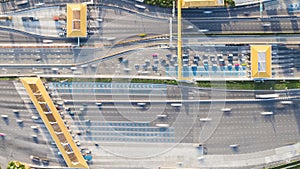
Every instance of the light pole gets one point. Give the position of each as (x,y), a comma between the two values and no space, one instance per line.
(179,42)
(171,32)
(261,8)
(173,9)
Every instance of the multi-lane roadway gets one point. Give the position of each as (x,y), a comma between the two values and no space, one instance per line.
(243,125)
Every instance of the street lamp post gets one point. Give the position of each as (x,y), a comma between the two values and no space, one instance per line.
(171,32)
(261,8)
(179,42)
(173,9)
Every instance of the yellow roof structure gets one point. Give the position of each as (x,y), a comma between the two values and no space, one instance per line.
(201,3)
(54,123)
(76,20)
(261,64)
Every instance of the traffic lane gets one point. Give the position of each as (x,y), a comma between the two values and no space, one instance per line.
(15,37)
(201,94)
(234,120)
(111,116)
(18,137)
(127,24)
(249,25)
(252,131)
(219,12)
(244,11)
(131,5)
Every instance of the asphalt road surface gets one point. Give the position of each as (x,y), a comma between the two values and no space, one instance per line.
(19,144)
(130,124)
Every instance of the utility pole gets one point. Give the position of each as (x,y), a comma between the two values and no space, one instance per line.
(171,33)
(179,41)
(261,8)
(173,9)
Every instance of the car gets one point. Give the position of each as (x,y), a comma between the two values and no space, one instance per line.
(39,4)
(45,160)
(34,127)
(34,158)
(25,18)
(246,13)
(203,30)
(226,110)
(19,121)
(161,116)
(162,125)
(4,116)
(34,18)
(234,145)
(207,12)
(205,119)
(88,152)
(190,27)
(35,117)
(61,34)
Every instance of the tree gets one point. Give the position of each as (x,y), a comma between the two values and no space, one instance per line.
(15,165)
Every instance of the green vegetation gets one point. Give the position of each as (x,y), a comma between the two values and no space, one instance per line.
(8,78)
(154,81)
(16,165)
(250,85)
(161,3)
(109,80)
(229,3)
(106,80)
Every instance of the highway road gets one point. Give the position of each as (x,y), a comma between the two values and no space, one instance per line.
(140,61)
(121,24)
(129,124)
(18,144)
(247,25)
(272,8)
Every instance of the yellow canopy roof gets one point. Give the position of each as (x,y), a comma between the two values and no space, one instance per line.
(76,20)
(261,64)
(200,3)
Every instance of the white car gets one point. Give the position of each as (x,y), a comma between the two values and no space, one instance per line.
(35,117)
(205,119)
(4,116)
(207,12)
(61,34)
